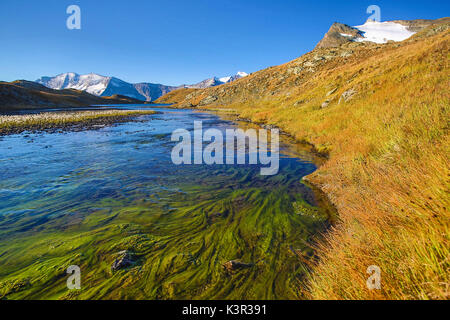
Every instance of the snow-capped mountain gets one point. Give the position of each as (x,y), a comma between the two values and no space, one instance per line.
(91,83)
(107,86)
(216,81)
(238,75)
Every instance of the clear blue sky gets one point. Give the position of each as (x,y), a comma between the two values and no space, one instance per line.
(176,41)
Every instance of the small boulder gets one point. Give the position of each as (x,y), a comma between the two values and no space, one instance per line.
(124,260)
(348,95)
(309,64)
(295,70)
(346,54)
(234,265)
(299,102)
(208,100)
(325,104)
(187,105)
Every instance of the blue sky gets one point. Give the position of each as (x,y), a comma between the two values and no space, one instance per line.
(175,42)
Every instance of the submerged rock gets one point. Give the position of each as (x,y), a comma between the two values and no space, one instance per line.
(124,260)
(234,265)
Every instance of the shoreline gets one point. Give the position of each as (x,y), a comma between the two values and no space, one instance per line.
(322,199)
(320,158)
(65,121)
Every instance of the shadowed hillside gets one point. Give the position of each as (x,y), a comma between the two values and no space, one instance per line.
(380,114)
(31,95)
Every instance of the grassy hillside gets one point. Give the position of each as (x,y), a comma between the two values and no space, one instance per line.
(380,113)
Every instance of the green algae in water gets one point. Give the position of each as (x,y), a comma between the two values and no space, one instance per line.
(180,223)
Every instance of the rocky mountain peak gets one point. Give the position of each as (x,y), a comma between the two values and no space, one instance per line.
(374,31)
(338,34)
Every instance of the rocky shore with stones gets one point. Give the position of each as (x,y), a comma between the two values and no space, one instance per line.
(66,121)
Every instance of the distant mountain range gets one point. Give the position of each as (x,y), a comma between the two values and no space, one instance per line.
(102,86)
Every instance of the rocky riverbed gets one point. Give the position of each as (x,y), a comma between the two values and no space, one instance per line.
(66,121)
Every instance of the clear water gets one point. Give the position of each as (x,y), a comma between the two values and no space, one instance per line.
(63,187)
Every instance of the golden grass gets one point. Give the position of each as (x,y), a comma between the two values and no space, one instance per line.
(46,120)
(176,95)
(388,169)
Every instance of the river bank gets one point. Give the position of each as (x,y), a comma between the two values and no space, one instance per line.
(298,148)
(381,114)
(64,121)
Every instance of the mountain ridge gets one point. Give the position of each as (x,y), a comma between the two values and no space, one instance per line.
(373,31)
(302,68)
(107,86)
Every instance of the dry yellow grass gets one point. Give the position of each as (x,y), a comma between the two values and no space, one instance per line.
(388,168)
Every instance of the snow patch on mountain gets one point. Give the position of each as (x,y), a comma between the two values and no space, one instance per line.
(382,32)
(225,79)
(238,75)
(216,81)
(241,74)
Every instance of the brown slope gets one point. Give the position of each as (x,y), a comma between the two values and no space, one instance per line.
(30,95)
(279,80)
(334,37)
